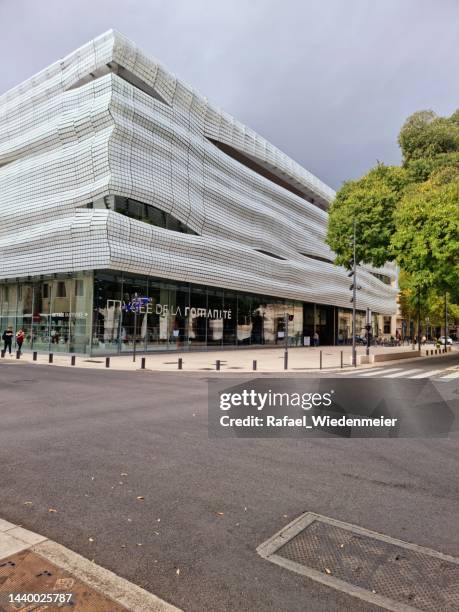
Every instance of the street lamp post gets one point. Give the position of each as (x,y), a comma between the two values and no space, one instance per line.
(446,321)
(368,328)
(419,318)
(354,288)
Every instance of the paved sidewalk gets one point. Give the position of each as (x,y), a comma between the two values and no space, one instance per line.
(268,359)
(39,574)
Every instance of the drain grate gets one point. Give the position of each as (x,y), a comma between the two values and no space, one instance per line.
(396,575)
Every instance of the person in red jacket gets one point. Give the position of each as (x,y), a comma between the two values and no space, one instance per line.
(20,339)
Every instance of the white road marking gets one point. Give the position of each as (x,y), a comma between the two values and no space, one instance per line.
(355,372)
(427,374)
(377,372)
(452,375)
(406,373)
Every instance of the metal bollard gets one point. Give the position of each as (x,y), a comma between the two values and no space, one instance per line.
(50,358)
(180,363)
(18,354)
(142,363)
(72,360)
(320,359)
(341,359)
(254,364)
(285,360)
(217,364)
(107,362)
(34,355)
(3,353)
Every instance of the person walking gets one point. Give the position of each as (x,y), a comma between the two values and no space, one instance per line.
(20,339)
(8,339)
(316,339)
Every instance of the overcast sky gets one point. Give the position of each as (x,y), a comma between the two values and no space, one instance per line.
(327,81)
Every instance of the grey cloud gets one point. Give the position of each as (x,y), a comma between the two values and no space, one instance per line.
(330,82)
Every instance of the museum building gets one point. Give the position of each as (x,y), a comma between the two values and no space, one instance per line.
(134,211)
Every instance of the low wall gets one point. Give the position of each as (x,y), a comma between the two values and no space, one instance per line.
(392,356)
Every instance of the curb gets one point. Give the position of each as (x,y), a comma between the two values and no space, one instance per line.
(14,539)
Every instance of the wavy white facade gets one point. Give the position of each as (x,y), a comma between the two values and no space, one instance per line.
(108,121)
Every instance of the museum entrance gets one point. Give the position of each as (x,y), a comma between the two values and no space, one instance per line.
(320,319)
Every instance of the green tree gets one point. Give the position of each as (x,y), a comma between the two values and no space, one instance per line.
(424,135)
(426,240)
(371,201)
(407,214)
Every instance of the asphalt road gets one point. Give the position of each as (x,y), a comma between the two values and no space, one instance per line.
(88,444)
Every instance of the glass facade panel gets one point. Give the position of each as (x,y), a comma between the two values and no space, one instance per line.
(215,316)
(110,312)
(345,325)
(150,214)
(197,320)
(134,313)
(54,312)
(244,328)
(179,298)
(229,318)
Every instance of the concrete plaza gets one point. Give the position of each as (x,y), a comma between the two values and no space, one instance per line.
(268,359)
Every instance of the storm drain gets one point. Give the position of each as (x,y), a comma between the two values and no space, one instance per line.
(396,575)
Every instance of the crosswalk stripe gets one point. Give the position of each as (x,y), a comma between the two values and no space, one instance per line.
(427,374)
(452,375)
(368,372)
(380,371)
(356,372)
(402,373)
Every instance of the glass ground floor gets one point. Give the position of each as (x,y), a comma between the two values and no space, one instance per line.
(107,312)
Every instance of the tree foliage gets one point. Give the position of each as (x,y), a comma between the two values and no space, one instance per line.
(424,135)
(426,240)
(370,200)
(407,214)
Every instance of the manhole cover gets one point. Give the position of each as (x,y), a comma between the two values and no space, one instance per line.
(393,574)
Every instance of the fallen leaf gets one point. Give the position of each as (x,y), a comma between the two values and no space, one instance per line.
(245,508)
(121,482)
(129,520)
(285,515)
(159,520)
(93,477)
(177,571)
(327,571)
(123,545)
(51,510)
(157,532)
(341,545)
(140,497)
(123,474)
(220,513)
(139,544)
(91,539)
(27,503)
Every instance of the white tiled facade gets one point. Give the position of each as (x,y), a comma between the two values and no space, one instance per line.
(108,121)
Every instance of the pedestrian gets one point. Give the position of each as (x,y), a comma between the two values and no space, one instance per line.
(20,339)
(316,339)
(8,339)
